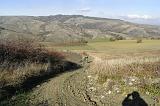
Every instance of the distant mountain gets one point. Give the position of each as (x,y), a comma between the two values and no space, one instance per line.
(61,28)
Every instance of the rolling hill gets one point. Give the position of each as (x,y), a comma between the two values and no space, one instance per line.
(62,28)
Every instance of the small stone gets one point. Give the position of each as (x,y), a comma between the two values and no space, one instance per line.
(118,91)
(133,80)
(130,83)
(38,86)
(147,93)
(102,97)
(92,89)
(109,92)
(89,76)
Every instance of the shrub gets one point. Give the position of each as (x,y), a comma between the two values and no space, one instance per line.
(139,40)
(80,42)
(112,39)
(118,37)
(21,51)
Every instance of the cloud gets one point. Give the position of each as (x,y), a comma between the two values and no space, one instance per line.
(85,10)
(136,16)
(142,19)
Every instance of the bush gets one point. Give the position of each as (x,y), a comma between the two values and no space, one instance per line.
(139,40)
(118,37)
(22,51)
(83,41)
(112,39)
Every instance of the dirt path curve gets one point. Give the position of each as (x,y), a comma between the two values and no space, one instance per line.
(67,89)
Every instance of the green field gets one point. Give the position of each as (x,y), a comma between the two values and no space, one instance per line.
(120,47)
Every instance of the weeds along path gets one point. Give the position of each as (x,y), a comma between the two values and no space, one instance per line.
(67,89)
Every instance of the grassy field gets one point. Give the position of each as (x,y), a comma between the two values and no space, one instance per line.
(127,45)
(114,48)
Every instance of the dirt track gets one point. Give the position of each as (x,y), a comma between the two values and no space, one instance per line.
(67,89)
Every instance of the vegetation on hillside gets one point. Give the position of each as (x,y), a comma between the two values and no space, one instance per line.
(61,28)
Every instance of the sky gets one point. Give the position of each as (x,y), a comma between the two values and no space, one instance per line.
(140,11)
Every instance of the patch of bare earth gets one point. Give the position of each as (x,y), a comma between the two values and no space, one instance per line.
(67,89)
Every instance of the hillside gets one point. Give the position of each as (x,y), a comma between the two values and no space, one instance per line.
(62,28)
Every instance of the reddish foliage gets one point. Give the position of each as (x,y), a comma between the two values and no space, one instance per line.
(21,51)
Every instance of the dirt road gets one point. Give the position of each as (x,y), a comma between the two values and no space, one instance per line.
(67,89)
(75,88)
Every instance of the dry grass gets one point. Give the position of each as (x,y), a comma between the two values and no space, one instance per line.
(142,73)
(134,66)
(21,59)
(14,77)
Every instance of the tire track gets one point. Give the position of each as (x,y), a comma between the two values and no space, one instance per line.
(67,89)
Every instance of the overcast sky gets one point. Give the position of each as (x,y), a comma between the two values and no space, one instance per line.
(142,11)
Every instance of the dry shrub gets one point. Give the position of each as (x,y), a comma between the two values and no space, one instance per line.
(139,40)
(73,43)
(21,59)
(21,51)
(112,39)
(17,76)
